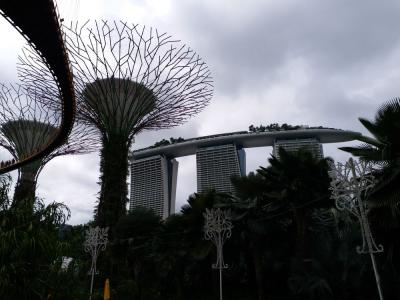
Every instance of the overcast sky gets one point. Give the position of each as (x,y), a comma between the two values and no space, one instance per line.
(298,62)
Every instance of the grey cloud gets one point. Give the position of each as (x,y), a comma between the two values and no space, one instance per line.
(331,107)
(330,35)
(72,180)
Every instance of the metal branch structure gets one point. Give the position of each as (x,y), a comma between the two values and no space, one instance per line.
(135,72)
(217,229)
(96,241)
(26,126)
(351,184)
(128,79)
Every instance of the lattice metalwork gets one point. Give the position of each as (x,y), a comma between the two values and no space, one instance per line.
(350,185)
(129,78)
(95,242)
(217,229)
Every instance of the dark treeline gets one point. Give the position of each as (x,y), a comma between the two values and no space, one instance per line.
(165,142)
(273,127)
(288,242)
(283,127)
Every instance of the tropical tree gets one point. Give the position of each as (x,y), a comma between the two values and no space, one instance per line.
(30,251)
(200,253)
(132,255)
(383,149)
(299,183)
(252,210)
(291,192)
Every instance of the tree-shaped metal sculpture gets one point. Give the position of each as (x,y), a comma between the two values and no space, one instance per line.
(128,79)
(39,23)
(26,126)
(217,229)
(95,242)
(350,186)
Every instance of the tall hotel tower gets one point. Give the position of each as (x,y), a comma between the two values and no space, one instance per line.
(217,164)
(153,184)
(218,158)
(310,144)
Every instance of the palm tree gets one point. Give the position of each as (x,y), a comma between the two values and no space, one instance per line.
(298,182)
(132,255)
(290,192)
(298,190)
(251,208)
(383,149)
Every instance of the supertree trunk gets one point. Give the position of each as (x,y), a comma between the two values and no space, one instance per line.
(114,171)
(25,189)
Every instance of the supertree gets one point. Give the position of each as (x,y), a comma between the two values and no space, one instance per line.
(38,22)
(26,126)
(128,79)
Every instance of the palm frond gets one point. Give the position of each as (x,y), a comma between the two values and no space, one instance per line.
(374,129)
(387,119)
(388,111)
(369,140)
(365,152)
(387,191)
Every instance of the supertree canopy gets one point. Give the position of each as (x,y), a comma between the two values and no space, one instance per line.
(126,101)
(128,79)
(26,137)
(26,127)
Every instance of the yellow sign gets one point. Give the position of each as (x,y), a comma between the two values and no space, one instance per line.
(107,290)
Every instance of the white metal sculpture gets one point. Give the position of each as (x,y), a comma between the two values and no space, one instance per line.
(351,182)
(96,241)
(217,229)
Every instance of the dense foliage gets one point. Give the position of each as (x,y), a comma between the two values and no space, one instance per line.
(283,127)
(165,142)
(30,249)
(383,149)
(113,174)
(288,242)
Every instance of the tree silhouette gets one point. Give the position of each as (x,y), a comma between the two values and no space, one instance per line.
(383,149)
(299,182)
